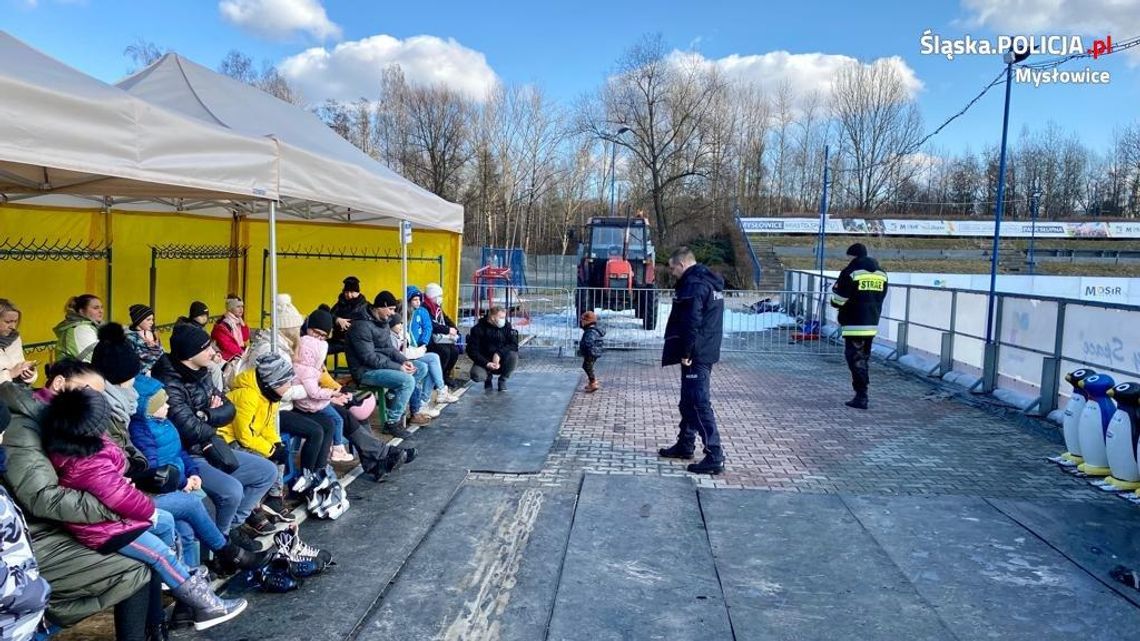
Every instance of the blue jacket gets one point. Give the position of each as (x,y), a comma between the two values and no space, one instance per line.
(158,439)
(696,322)
(420,326)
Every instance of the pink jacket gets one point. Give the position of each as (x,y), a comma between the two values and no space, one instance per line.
(101,475)
(307,366)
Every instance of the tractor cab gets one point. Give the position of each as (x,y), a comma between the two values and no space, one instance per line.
(616,268)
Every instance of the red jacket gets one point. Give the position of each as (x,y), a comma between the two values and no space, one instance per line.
(223,337)
(101,476)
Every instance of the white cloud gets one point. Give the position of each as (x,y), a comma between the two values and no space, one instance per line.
(1121,18)
(353,69)
(804,73)
(280,19)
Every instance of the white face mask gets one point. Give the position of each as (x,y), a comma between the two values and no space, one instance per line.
(500,322)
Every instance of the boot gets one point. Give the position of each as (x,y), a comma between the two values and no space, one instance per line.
(502,384)
(397,430)
(209,609)
(592,387)
(488,384)
(859,402)
(676,450)
(158,632)
(419,418)
(233,558)
(239,537)
(708,465)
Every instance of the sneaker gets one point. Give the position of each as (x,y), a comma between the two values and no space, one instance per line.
(592,387)
(420,418)
(859,402)
(239,537)
(395,429)
(675,450)
(339,454)
(275,508)
(430,412)
(258,524)
(445,397)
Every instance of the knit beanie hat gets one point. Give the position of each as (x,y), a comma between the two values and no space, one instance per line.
(385,299)
(156,402)
(74,422)
(352,284)
(273,371)
(233,301)
(139,313)
(114,357)
(287,315)
(198,308)
(858,250)
(433,290)
(188,341)
(414,292)
(321,319)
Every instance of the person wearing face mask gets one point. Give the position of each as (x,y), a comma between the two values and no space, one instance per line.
(444,335)
(78,332)
(493,346)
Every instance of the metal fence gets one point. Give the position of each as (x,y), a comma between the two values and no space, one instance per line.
(754,321)
(1037,339)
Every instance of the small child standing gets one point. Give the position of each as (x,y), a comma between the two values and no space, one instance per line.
(590,348)
(75,437)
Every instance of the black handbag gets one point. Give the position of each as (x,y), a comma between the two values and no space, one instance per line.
(160,480)
(220,455)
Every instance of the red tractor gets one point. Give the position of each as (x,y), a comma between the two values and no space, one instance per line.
(616,268)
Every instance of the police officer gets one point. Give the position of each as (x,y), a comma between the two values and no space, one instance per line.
(858,295)
(692,339)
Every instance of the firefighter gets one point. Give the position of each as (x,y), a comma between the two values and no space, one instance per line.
(858,295)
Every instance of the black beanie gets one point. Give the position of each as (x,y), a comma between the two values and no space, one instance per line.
(75,421)
(139,313)
(114,357)
(198,308)
(321,319)
(857,250)
(385,299)
(188,341)
(352,284)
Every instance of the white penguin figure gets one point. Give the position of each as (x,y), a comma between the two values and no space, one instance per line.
(1071,424)
(1094,423)
(1120,439)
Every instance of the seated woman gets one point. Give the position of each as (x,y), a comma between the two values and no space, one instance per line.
(418,334)
(493,346)
(83,582)
(445,335)
(13,365)
(86,459)
(231,334)
(143,337)
(77,333)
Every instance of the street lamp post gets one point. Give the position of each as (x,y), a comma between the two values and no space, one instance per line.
(613,170)
(989,375)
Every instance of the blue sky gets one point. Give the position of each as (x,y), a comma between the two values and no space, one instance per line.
(569,47)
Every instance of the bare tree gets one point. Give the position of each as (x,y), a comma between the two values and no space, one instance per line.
(878,125)
(141,53)
(666,103)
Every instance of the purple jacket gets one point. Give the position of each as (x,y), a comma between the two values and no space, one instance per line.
(101,475)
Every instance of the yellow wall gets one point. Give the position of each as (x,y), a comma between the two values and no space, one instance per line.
(41,288)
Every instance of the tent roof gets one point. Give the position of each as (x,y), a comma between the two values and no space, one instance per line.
(321,174)
(63,132)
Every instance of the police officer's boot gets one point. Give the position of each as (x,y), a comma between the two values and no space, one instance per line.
(859,402)
(676,450)
(708,465)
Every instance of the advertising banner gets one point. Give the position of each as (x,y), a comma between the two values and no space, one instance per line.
(967,228)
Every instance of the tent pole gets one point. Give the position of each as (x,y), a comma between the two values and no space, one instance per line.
(404,271)
(273,275)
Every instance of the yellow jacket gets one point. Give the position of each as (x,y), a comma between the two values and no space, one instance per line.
(254,426)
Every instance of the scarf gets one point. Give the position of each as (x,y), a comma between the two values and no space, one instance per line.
(234,324)
(124,402)
(6,341)
(432,308)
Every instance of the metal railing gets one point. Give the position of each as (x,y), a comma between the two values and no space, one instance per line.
(1036,338)
(754,321)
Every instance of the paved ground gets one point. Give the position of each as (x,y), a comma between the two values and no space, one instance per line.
(931,515)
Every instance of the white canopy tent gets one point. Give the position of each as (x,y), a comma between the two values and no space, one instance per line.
(322,176)
(63,132)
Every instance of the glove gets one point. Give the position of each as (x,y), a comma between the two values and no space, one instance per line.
(280,454)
